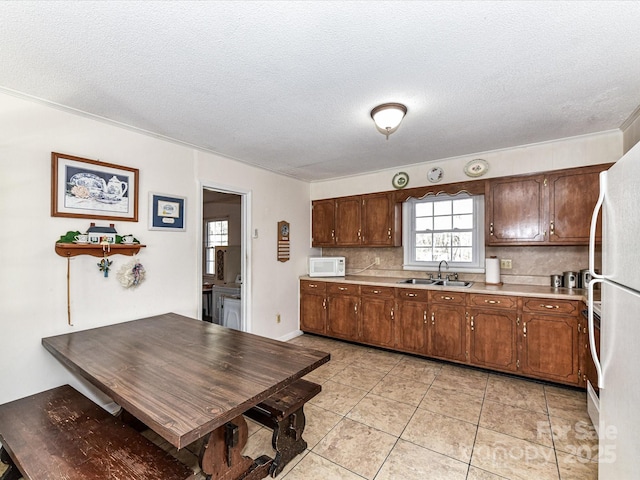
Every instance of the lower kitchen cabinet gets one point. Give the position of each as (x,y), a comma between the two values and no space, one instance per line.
(550,342)
(447,326)
(377,315)
(313,307)
(493,332)
(343,303)
(411,321)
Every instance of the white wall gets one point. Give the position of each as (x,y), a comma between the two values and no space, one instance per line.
(605,147)
(631,130)
(33,277)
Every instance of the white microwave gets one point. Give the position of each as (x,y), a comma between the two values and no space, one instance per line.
(326,267)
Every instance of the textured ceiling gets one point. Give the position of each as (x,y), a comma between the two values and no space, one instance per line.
(288,86)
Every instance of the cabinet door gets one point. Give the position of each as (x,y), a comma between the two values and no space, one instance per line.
(323,223)
(379,215)
(515,210)
(313,307)
(448,332)
(572,198)
(411,325)
(550,347)
(342,316)
(493,342)
(377,316)
(348,221)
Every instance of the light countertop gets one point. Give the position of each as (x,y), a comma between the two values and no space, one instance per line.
(477,287)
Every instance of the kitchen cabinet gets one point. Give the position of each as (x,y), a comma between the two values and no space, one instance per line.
(447,326)
(323,223)
(372,220)
(411,320)
(572,197)
(313,307)
(493,331)
(549,339)
(343,303)
(514,210)
(377,315)
(546,209)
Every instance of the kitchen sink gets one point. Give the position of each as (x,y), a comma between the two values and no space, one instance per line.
(436,282)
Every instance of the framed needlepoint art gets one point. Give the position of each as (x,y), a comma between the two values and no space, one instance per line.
(167,212)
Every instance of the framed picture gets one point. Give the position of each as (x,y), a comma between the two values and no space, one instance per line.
(83,188)
(167,212)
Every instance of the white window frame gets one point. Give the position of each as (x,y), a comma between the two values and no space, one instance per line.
(211,248)
(409,231)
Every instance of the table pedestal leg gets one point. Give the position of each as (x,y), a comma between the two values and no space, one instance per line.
(221,457)
(12,472)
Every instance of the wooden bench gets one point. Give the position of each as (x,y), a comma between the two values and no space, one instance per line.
(60,433)
(283,412)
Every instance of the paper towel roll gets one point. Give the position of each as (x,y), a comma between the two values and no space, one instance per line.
(492,272)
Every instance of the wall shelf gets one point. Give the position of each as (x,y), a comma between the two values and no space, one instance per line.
(75,249)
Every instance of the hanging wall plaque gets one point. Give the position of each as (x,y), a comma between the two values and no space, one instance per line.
(283,241)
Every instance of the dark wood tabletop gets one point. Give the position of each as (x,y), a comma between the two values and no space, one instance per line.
(182,377)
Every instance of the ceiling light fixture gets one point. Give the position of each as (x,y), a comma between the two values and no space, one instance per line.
(388,116)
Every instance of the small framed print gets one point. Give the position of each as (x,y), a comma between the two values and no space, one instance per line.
(167,212)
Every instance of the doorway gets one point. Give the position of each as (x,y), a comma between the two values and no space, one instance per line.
(223,258)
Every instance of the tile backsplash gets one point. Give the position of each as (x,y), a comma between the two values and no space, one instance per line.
(531,265)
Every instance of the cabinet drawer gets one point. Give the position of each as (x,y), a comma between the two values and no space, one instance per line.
(307,286)
(550,306)
(412,294)
(343,288)
(454,298)
(386,292)
(493,301)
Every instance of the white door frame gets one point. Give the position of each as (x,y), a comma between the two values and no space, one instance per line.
(245,270)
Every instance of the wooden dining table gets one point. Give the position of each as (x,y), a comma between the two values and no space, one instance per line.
(186,379)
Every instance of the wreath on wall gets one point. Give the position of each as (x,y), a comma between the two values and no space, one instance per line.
(131,274)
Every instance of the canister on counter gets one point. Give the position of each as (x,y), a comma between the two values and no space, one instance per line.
(584,278)
(556,281)
(570,279)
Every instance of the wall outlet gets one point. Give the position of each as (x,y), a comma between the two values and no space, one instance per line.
(377,261)
(278,318)
(506,263)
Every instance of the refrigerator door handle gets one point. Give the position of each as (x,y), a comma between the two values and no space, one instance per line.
(594,223)
(592,340)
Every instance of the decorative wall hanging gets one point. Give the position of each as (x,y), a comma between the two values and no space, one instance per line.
(167,212)
(400,180)
(476,168)
(83,188)
(131,274)
(284,249)
(435,175)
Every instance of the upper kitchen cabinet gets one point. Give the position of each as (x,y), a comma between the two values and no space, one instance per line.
(515,212)
(545,209)
(356,221)
(572,197)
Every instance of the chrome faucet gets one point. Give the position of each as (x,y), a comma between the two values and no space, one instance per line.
(440,266)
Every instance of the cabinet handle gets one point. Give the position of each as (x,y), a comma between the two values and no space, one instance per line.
(550,307)
(492,302)
(411,294)
(552,229)
(524,328)
(444,297)
(392,315)
(324,303)
(342,289)
(433,318)
(376,291)
(333,234)
(359,233)
(518,321)
(424,316)
(389,232)
(313,285)
(355,308)
(491,229)
(472,323)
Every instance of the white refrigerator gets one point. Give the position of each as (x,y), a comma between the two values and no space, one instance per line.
(619,363)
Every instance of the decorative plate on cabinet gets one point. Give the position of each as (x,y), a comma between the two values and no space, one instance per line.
(435,175)
(400,180)
(476,168)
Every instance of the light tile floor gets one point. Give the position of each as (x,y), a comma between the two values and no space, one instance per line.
(388,416)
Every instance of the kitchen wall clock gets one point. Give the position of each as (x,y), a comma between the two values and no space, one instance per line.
(283,241)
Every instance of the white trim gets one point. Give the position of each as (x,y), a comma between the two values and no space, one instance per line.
(245,206)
